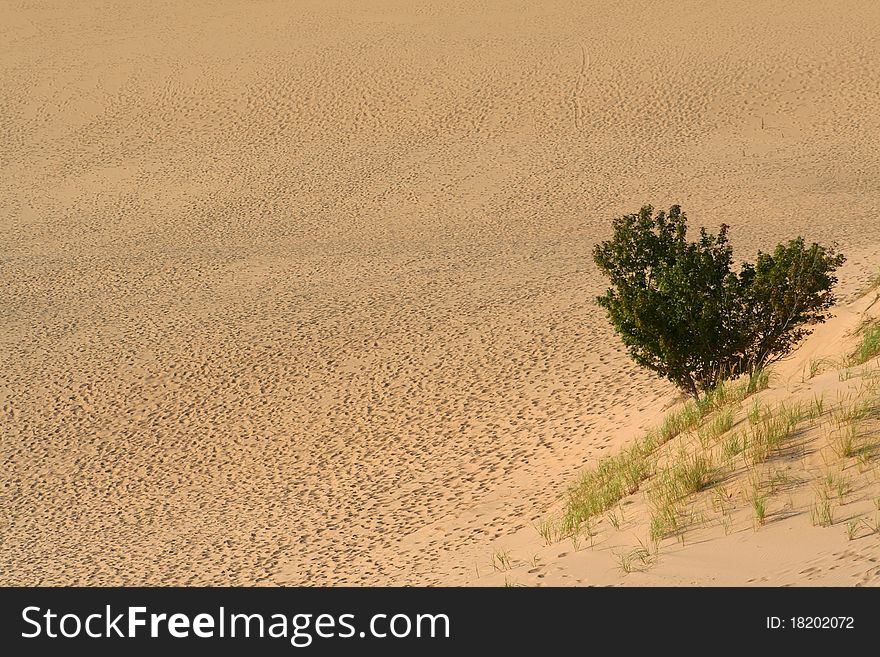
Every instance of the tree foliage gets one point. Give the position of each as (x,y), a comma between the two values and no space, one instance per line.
(682,312)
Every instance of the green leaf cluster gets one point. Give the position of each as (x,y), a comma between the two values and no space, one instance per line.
(683,312)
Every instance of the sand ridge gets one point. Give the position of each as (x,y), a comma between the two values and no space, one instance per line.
(301,292)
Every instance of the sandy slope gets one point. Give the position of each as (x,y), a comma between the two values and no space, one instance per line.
(301,292)
(721,542)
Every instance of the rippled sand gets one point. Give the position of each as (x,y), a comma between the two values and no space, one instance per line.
(302,292)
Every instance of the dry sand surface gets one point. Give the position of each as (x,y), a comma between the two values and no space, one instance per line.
(301,292)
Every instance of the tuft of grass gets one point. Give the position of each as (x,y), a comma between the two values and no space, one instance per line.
(869,347)
(851,528)
(599,489)
(721,500)
(674,424)
(864,456)
(716,428)
(817,407)
(716,398)
(759,505)
(815,366)
(848,413)
(689,474)
(614,520)
(732,445)
(638,558)
(792,414)
(845,442)
(845,374)
(821,513)
(687,418)
(842,488)
(548,530)
(589,530)
(757,381)
(501,560)
(694,474)
(768,436)
(779,480)
(664,520)
(723,396)
(755,413)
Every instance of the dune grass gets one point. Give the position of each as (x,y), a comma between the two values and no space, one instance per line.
(641,554)
(709,441)
(686,475)
(869,346)
(548,529)
(768,436)
(817,407)
(733,445)
(501,560)
(617,476)
(845,441)
(713,429)
(872,285)
(815,366)
(821,512)
(614,478)
(851,528)
(755,413)
(759,506)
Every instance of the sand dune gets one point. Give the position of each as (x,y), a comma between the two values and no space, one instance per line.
(301,293)
(720,540)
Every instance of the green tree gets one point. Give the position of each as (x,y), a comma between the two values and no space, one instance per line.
(682,312)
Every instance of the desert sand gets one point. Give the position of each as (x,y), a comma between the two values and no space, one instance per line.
(301,292)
